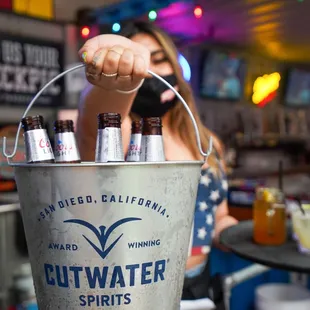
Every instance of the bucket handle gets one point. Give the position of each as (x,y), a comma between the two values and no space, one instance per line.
(9,156)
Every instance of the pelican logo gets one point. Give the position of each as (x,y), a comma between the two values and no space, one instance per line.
(103,234)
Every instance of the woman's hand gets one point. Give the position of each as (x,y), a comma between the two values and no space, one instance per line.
(115,62)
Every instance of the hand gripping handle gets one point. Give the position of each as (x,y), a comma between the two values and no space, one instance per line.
(9,156)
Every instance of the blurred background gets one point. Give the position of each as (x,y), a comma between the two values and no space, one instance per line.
(247,60)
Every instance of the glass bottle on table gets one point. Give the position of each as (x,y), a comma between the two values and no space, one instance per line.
(109,146)
(269,215)
(37,143)
(152,145)
(66,150)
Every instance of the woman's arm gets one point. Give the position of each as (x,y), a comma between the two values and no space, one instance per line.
(97,100)
(222,221)
(113,64)
(196,260)
(222,218)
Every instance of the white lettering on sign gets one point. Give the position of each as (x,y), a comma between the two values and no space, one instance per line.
(25,68)
(41,56)
(26,79)
(12,52)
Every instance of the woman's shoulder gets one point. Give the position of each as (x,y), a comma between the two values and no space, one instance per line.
(212,187)
(218,171)
(214,173)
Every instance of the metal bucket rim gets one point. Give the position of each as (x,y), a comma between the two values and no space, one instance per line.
(109,164)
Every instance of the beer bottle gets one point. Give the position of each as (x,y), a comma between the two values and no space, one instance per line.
(66,150)
(37,144)
(109,146)
(134,150)
(152,146)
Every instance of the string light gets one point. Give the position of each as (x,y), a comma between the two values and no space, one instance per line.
(198,11)
(116,27)
(85,31)
(152,15)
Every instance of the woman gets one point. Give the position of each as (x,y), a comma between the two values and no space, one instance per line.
(117,69)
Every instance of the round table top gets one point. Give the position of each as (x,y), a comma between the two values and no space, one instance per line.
(239,240)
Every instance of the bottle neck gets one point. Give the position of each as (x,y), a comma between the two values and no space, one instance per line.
(32,123)
(136,127)
(134,150)
(152,148)
(38,147)
(112,120)
(66,150)
(63,126)
(109,146)
(109,125)
(152,131)
(152,126)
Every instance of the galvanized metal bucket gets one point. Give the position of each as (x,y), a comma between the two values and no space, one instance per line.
(111,235)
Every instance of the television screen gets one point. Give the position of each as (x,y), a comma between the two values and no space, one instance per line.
(222,76)
(298,88)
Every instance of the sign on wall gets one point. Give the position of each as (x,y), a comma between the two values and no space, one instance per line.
(6,4)
(37,8)
(26,65)
(43,9)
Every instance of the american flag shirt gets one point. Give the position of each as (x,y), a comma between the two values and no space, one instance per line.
(212,191)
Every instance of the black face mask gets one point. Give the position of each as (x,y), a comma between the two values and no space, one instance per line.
(147,102)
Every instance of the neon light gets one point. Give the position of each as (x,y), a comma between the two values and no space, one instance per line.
(265,88)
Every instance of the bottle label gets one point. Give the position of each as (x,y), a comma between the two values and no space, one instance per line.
(134,150)
(152,148)
(38,146)
(109,145)
(66,148)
